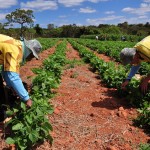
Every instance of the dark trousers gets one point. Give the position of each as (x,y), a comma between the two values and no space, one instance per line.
(7,99)
(2,100)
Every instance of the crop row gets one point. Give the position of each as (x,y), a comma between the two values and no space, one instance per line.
(113,76)
(112,49)
(30,126)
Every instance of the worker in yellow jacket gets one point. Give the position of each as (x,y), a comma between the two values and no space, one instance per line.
(134,56)
(12,53)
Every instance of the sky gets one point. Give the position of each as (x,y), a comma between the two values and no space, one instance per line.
(80,12)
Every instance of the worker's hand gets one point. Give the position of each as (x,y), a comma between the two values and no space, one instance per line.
(124,84)
(29,103)
(144,85)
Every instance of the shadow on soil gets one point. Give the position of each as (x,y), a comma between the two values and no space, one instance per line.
(112,101)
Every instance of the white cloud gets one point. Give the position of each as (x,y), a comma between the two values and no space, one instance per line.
(147,1)
(109,12)
(143,17)
(118,19)
(70,3)
(96,1)
(39,5)
(63,16)
(128,9)
(2,16)
(104,20)
(135,20)
(7,3)
(144,5)
(143,9)
(87,10)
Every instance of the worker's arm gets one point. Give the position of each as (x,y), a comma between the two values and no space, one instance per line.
(144,83)
(132,72)
(13,80)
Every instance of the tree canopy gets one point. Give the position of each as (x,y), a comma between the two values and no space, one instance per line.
(22,17)
(26,17)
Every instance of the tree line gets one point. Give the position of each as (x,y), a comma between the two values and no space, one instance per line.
(25,19)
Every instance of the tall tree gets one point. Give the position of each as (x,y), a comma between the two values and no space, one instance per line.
(22,17)
(38,29)
(50,26)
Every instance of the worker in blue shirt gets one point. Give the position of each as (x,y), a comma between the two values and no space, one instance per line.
(12,53)
(134,56)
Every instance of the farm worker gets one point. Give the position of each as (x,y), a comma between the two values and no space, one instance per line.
(134,56)
(12,53)
(123,38)
(96,37)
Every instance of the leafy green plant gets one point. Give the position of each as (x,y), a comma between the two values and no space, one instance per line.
(144,69)
(29,125)
(73,63)
(144,147)
(144,118)
(43,83)
(113,76)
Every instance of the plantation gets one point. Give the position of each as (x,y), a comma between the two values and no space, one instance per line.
(78,102)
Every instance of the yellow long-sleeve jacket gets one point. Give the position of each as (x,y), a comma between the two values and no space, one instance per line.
(143,48)
(11,53)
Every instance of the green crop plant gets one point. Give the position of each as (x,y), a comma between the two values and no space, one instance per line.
(29,126)
(144,147)
(43,83)
(113,75)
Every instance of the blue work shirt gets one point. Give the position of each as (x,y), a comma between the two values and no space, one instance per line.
(13,80)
